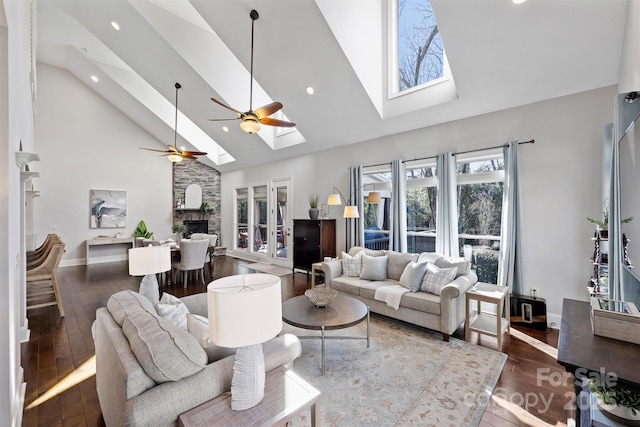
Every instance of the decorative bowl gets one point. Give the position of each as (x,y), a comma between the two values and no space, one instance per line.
(321,297)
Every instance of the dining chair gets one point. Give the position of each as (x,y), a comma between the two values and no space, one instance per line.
(213,239)
(38,294)
(193,254)
(34,259)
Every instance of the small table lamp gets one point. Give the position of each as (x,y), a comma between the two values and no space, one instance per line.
(148,261)
(245,311)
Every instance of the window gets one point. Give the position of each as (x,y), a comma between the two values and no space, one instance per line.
(260,234)
(480,188)
(421,207)
(419,57)
(376,216)
(242,218)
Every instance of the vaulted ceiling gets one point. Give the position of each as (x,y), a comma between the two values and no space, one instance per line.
(501,55)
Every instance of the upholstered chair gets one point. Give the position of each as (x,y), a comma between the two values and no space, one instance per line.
(193,254)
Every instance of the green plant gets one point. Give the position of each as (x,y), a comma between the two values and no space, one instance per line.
(604,223)
(141,230)
(313,201)
(178,228)
(615,395)
(204,207)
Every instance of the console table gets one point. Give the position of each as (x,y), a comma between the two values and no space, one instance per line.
(587,355)
(108,241)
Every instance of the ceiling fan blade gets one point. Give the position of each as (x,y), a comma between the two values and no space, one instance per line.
(223,120)
(267,110)
(225,106)
(173,149)
(186,153)
(153,149)
(275,122)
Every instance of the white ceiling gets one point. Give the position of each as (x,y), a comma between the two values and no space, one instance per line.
(501,55)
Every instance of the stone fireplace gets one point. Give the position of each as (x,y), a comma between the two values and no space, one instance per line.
(195,226)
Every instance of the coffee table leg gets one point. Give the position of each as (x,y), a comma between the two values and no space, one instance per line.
(323,350)
(368,327)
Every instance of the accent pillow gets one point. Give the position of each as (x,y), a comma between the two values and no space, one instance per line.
(436,278)
(413,275)
(165,352)
(198,326)
(460,263)
(374,267)
(397,262)
(124,303)
(351,265)
(171,308)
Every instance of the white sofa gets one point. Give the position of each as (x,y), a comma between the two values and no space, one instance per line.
(441,311)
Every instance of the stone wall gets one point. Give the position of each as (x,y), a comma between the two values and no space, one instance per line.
(193,172)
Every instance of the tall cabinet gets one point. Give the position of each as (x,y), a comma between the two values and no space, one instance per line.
(313,239)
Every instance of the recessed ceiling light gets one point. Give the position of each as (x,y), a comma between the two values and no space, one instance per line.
(310,90)
(115,25)
(518,1)
(225,128)
(94,78)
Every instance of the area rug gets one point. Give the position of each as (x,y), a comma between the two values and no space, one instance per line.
(408,376)
(270,269)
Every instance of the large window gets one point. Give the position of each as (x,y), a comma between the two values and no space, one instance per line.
(419,52)
(242,218)
(480,187)
(376,215)
(421,207)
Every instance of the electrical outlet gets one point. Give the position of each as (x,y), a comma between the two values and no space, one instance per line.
(534,291)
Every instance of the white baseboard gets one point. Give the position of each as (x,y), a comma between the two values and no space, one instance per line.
(18,407)
(25,332)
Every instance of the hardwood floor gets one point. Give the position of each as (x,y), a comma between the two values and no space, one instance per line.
(59,365)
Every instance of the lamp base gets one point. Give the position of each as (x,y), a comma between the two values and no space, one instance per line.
(149,288)
(247,385)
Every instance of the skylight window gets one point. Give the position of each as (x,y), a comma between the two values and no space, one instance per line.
(419,53)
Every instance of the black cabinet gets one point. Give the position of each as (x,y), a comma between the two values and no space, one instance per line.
(313,239)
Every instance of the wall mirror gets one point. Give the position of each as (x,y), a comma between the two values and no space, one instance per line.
(193,197)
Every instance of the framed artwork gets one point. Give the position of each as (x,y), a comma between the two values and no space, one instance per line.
(108,208)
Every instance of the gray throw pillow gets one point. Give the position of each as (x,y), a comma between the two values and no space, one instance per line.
(397,262)
(374,268)
(436,278)
(461,264)
(413,275)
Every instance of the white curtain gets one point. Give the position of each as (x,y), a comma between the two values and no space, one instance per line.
(355,226)
(510,258)
(616,249)
(398,226)
(447,206)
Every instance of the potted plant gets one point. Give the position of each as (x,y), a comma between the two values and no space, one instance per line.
(616,402)
(141,231)
(179,229)
(204,207)
(313,206)
(602,226)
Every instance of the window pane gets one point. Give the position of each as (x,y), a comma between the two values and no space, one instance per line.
(376,216)
(242,217)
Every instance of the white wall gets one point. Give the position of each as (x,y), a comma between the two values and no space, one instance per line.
(85,143)
(560,180)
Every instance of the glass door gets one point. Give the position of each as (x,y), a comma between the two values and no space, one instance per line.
(281,222)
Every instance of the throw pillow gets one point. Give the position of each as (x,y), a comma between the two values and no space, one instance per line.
(165,352)
(171,308)
(436,278)
(413,275)
(374,267)
(351,265)
(460,263)
(397,262)
(198,326)
(124,303)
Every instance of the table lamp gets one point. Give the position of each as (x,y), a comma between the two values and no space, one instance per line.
(245,311)
(148,261)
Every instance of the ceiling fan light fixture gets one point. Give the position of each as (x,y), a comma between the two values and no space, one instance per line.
(250,126)
(175,158)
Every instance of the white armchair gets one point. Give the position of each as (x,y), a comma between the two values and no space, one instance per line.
(193,255)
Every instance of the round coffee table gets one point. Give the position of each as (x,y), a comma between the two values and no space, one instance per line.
(343,312)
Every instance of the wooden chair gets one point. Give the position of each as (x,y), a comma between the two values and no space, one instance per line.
(36,257)
(39,250)
(46,271)
(193,254)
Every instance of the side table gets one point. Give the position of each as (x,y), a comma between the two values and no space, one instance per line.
(483,322)
(285,396)
(314,268)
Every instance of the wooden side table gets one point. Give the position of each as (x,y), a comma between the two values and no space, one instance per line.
(285,396)
(315,267)
(483,322)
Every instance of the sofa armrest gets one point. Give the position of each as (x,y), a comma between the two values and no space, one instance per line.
(197,304)
(331,270)
(453,302)
(459,286)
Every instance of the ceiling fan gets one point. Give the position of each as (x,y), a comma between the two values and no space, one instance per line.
(173,154)
(251,120)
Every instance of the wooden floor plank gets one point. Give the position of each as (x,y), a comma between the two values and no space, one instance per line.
(58,346)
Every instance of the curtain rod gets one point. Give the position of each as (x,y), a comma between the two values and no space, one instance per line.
(471,151)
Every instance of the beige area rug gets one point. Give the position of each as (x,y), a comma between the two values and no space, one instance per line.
(270,269)
(409,376)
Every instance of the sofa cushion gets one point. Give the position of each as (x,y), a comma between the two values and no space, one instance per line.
(430,257)
(171,308)
(413,275)
(165,352)
(368,289)
(436,278)
(198,326)
(124,303)
(351,265)
(421,301)
(461,264)
(374,252)
(348,285)
(374,268)
(397,262)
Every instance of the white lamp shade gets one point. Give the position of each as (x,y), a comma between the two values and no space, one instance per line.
(373,197)
(334,199)
(244,309)
(249,126)
(351,212)
(175,158)
(149,260)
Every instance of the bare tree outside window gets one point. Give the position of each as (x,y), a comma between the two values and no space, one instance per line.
(420,50)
